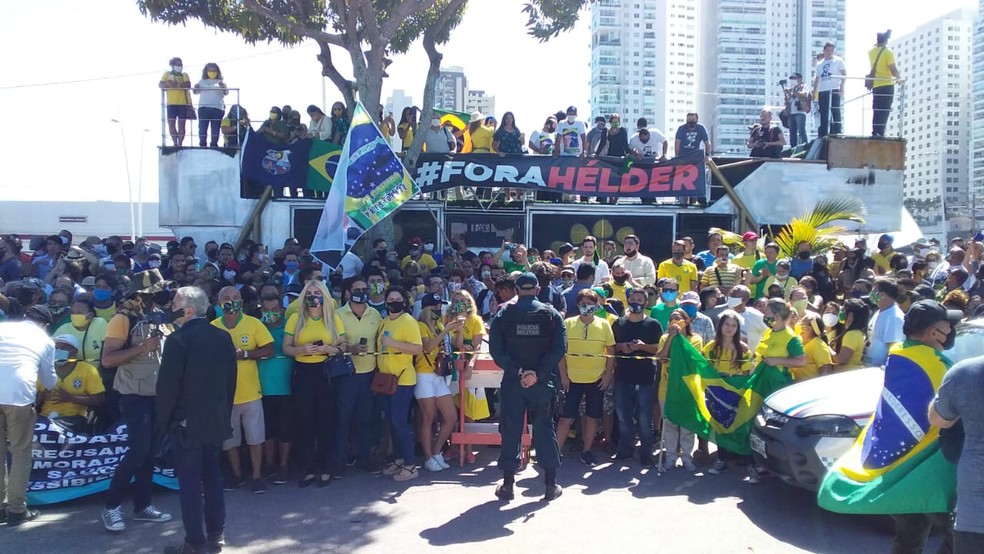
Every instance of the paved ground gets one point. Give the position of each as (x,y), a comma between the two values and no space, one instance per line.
(611,508)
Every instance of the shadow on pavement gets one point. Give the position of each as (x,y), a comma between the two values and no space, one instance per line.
(482,523)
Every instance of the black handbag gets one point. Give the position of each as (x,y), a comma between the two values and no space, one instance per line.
(339,365)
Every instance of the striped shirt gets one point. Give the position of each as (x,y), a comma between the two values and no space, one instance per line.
(721,277)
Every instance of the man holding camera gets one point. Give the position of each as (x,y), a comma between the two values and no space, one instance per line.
(766,141)
(798,101)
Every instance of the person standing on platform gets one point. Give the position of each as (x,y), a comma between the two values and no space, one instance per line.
(885,74)
(527,340)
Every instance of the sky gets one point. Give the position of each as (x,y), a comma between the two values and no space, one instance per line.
(85,64)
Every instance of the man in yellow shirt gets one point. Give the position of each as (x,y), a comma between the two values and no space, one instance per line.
(177,99)
(253,341)
(424,260)
(585,371)
(678,268)
(885,73)
(79,387)
(751,252)
(883,258)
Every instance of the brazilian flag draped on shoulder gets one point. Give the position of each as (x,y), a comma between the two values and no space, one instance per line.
(718,408)
(896,466)
(369,184)
(306,163)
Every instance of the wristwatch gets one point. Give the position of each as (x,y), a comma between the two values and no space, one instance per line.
(245,354)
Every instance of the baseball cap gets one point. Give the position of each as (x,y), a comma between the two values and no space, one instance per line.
(749,236)
(925,292)
(567,269)
(429,300)
(888,238)
(39,314)
(565,248)
(89,281)
(924,313)
(796,76)
(294,289)
(690,297)
(527,281)
(68,339)
(416,241)
(571,110)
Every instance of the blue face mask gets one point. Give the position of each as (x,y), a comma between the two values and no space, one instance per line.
(291,266)
(102,295)
(587,310)
(635,307)
(690,309)
(669,296)
(61,356)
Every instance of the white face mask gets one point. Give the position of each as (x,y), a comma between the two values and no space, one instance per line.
(829,320)
(571,118)
(177,68)
(154,263)
(932,265)
(429,246)
(733,302)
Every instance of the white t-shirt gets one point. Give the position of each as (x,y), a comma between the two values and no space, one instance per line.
(651,149)
(885,328)
(27,355)
(544,141)
(602,274)
(569,137)
(828,71)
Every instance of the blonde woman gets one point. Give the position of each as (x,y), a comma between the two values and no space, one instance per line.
(819,359)
(310,336)
(468,336)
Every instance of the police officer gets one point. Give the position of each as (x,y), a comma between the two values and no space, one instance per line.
(527,340)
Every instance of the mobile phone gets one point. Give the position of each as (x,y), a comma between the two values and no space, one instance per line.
(363,341)
(318,343)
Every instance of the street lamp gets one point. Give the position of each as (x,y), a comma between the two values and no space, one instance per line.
(140,228)
(129,186)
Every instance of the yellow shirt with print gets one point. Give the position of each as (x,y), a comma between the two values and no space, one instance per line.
(883,260)
(853,339)
(84,379)
(426,263)
(313,331)
(722,363)
(403,329)
(590,338)
(473,328)
(426,362)
(683,273)
(883,75)
(248,334)
(176,96)
(695,341)
(356,329)
(817,355)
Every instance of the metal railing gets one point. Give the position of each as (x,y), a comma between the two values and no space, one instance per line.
(191,123)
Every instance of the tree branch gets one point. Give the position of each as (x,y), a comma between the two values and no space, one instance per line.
(403,10)
(328,69)
(294,27)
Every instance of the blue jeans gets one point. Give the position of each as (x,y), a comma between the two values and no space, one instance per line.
(200,478)
(797,129)
(635,402)
(138,462)
(398,414)
(353,403)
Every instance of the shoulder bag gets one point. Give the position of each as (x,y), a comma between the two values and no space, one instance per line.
(869,81)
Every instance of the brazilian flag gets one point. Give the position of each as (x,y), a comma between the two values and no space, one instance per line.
(458,119)
(322,163)
(717,408)
(896,465)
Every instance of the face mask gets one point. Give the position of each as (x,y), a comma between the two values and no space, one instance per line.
(381,252)
(932,265)
(459,307)
(454,286)
(212,74)
(486,274)
(313,301)
(229,274)
(587,310)
(102,295)
(435,315)
(154,264)
(829,320)
(571,118)
(733,302)
(394,307)
(175,315)
(415,251)
(875,297)
(291,266)
(678,256)
(79,320)
(950,339)
(857,293)
(800,306)
(376,288)
(232,307)
(273,116)
(804,255)
(635,307)
(61,356)
(429,247)
(769,321)
(841,317)
(615,124)
(271,318)
(669,296)
(567,283)
(691,310)
(882,245)
(723,261)
(782,277)
(360,298)
(57,311)
(177,68)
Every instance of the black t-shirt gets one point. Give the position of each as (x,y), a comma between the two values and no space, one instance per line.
(636,372)
(618,142)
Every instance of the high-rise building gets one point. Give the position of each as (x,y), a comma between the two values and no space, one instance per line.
(935,60)
(451,89)
(644,60)
(977,131)
(750,45)
(478,101)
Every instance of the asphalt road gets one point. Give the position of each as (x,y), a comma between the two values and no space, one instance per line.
(609,508)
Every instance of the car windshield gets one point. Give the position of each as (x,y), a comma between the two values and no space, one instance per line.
(969,343)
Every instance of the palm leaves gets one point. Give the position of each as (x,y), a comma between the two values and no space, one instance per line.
(815,227)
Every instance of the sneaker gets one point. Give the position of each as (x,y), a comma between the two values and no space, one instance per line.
(406,473)
(231,483)
(280,477)
(440,460)
(753,476)
(214,545)
(14,518)
(553,492)
(718,468)
(150,513)
(185,548)
(432,465)
(688,465)
(588,459)
(393,468)
(113,520)
(669,464)
(470,458)
(350,461)
(259,487)
(619,456)
(502,492)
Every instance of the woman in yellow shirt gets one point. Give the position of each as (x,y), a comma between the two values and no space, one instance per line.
(481,136)
(779,346)
(432,392)
(407,126)
(679,441)
(729,356)
(849,339)
(468,339)
(818,355)
(310,336)
(398,342)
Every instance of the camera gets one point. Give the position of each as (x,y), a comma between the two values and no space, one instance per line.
(783,82)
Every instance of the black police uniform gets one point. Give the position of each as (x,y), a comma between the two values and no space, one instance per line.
(527,336)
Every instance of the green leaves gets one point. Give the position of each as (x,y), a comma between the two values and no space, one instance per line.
(549,18)
(816,226)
